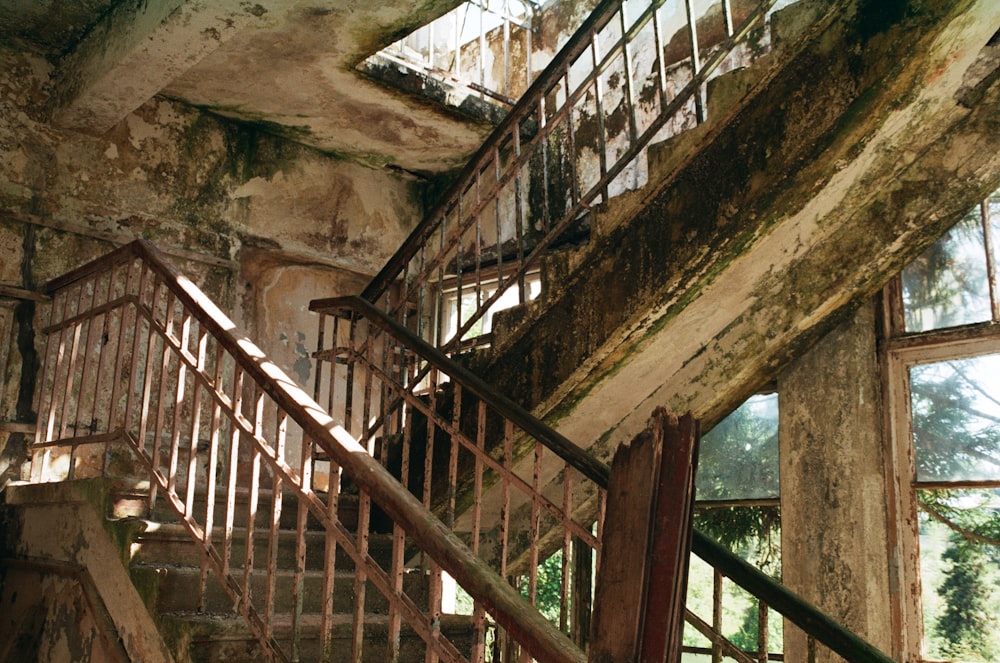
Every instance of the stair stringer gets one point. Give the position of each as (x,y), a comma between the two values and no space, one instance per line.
(56,528)
(817,164)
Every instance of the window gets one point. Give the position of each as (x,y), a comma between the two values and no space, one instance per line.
(470,300)
(736,503)
(944,399)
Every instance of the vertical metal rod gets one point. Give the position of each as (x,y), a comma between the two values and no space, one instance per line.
(508,463)
(519,216)
(571,157)
(762,644)
(499,219)
(506,52)
(633,135)
(330,564)
(699,97)
(565,607)
(535,527)
(456,422)
(545,223)
(133,386)
(212,467)
(583,592)
(349,387)
(727,16)
(175,438)
(360,577)
(147,385)
(161,393)
(68,390)
(57,386)
(39,464)
(434,610)
(482,51)
(252,501)
(86,390)
(429,440)
(234,462)
(132,268)
(602,136)
(717,614)
(273,541)
(103,358)
(192,468)
(301,522)
(661,67)
(458,49)
(479,252)
(478,614)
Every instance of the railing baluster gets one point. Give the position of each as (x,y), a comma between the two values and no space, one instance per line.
(212,466)
(716,614)
(330,565)
(564,585)
(273,540)
(253,500)
(179,403)
(232,471)
(360,577)
(195,429)
(85,390)
(40,463)
(699,99)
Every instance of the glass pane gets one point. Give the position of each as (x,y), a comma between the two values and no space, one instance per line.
(960,575)
(739,609)
(956,419)
(947,285)
(739,457)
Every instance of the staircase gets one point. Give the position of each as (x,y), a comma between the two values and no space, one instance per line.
(266,524)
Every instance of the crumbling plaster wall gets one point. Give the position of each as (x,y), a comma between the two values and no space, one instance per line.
(231,203)
(833,471)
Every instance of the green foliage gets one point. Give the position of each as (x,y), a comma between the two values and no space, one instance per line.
(956,430)
(548,592)
(946,285)
(965,625)
(738,458)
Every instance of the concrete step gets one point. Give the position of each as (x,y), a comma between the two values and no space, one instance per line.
(131,499)
(171,544)
(177,589)
(204,638)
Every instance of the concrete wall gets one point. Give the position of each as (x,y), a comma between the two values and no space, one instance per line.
(261,223)
(833,472)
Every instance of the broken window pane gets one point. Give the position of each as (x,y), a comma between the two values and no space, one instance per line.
(739,457)
(956,419)
(947,285)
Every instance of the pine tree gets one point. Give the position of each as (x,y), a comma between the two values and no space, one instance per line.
(965,625)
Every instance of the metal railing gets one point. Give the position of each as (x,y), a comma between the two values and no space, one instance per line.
(143,373)
(413,404)
(633,73)
(484,46)
(514,489)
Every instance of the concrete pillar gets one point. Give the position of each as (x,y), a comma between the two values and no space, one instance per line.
(834,527)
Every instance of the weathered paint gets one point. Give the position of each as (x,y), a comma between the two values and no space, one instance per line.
(833,472)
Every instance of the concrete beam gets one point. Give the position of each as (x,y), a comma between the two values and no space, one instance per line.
(135,50)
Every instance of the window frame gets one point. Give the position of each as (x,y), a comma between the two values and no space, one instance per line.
(903,350)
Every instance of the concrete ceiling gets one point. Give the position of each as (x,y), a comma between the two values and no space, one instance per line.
(287,65)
